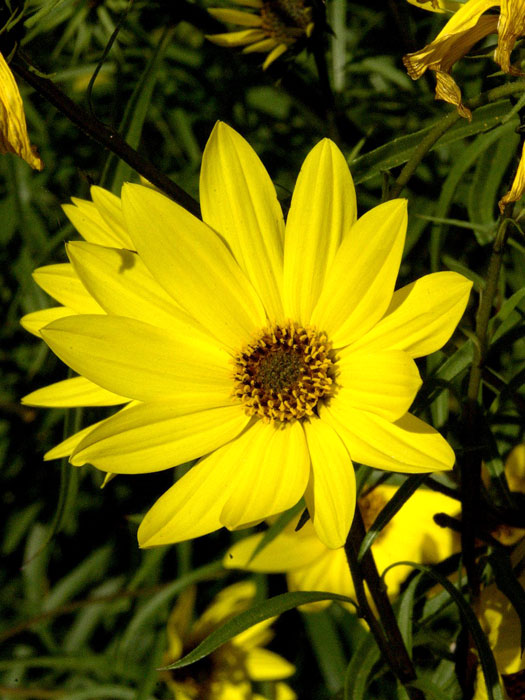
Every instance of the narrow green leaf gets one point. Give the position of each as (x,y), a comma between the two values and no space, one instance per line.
(431,690)
(326,644)
(358,671)
(405,615)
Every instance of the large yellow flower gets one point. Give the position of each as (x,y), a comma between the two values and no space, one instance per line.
(228,673)
(280,358)
(273,27)
(13,130)
(309,565)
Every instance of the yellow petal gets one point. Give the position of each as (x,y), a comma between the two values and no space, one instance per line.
(437,5)
(157,435)
(132,358)
(63,284)
(13,129)
(245,19)
(421,317)
(194,266)
(518,185)
(192,506)
(260,46)
(322,212)
(239,201)
(408,445)
(265,665)
(123,285)
(329,573)
(360,282)
(273,476)
(246,36)
(77,391)
(289,550)
(331,492)
(273,56)
(36,320)
(110,208)
(92,226)
(383,382)
(515,469)
(511,26)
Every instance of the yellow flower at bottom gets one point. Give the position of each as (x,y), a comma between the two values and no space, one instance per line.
(411,535)
(273,27)
(229,672)
(276,355)
(13,130)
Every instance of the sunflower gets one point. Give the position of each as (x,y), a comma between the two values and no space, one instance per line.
(229,672)
(273,27)
(311,566)
(13,129)
(278,359)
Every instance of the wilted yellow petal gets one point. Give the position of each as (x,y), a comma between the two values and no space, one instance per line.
(518,185)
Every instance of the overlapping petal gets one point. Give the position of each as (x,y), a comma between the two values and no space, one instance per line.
(239,201)
(157,435)
(93,227)
(77,391)
(36,320)
(322,212)
(198,271)
(62,283)
(361,280)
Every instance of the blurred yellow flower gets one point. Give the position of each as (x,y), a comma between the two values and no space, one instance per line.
(229,672)
(13,130)
(466,27)
(273,27)
(411,535)
(276,356)
(515,474)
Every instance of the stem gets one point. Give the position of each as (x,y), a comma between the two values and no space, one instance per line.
(387,634)
(106,137)
(444,125)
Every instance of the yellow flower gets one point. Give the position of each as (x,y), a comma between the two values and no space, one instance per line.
(437,5)
(13,130)
(227,673)
(501,623)
(280,358)
(515,474)
(310,566)
(273,27)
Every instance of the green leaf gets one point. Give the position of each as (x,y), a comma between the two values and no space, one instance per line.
(263,611)
(430,689)
(326,644)
(358,671)
(405,616)
(410,485)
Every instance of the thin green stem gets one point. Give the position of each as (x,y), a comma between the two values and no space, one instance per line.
(387,634)
(443,125)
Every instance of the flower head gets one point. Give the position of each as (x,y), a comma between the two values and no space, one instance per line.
(272,28)
(278,358)
(310,566)
(13,130)
(227,673)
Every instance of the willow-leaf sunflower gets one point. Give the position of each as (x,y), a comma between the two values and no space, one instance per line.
(276,357)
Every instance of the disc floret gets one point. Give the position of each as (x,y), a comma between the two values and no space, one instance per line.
(285,372)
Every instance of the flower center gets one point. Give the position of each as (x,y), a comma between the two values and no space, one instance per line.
(283,374)
(285,20)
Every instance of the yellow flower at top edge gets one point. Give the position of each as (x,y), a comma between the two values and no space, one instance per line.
(272,28)
(277,355)
(411,535)
(13,130)
(229,671)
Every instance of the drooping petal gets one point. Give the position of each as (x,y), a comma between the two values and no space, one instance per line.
(245,19)
(123,285)
(518,185)
(273,56)
(322,212)
(13,128)
(192,506)
(194,266)
(384,382)
(63,284)
(408,445)
(274,474)
(266,665)
(421,317)
(239,201)
(132,358)
(158,435)
(331,492)
(36,320)
(361,280)
(92,226)
(241,38)
(511,26)
(77,391)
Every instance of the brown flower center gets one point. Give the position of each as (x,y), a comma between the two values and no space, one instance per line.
(284,373)
(285,20)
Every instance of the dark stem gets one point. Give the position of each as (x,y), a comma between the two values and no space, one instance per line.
(104,136)
(387,634)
